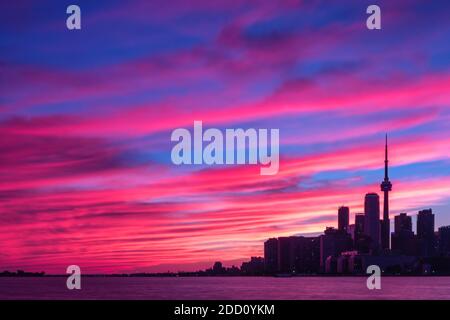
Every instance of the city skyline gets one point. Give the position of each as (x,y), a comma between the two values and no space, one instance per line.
(351,248)
(281,254)
(86,175)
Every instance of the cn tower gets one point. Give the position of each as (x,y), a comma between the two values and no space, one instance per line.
(386,186)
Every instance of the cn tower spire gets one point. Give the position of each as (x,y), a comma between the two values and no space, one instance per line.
(386,186)
(386,177)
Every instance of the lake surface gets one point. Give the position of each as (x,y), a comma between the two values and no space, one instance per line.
(236,288)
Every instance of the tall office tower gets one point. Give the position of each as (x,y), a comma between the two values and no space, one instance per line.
(343,218)
(403,238)
(372,219)
(425,232)
(359,237)
(386,186)
(359,225)
(284,254)
(271,256)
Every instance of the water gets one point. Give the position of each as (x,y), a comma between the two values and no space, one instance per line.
(237,288)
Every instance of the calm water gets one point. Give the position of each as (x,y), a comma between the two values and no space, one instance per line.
(238,288)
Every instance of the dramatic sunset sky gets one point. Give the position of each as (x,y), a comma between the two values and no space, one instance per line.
(86,116)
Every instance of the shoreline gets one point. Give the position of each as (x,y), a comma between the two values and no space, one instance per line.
(230,276)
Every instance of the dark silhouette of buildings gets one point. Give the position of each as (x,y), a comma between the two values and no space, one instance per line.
(333,243)
(425,233)
(351,248)
(285,255)
(385,186)
(402,222)
(403,238)
(21,273)
(254,267)
(305,254)
(359,235)
(444,241)
(343,218)
(218,268)
(372,220)
(294,254)
(271,256)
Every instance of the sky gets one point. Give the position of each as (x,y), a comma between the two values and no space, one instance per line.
(86,116)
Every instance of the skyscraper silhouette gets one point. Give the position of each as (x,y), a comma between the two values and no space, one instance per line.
(271,256)
(359,223)
(332,243)
(403,238)
(425,232)
(444,241)
(402,222)
(386,186)
(372,219)
(343,218)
